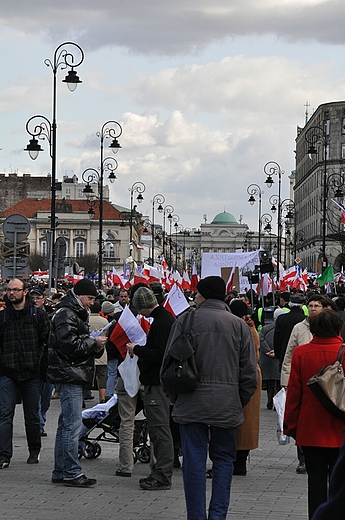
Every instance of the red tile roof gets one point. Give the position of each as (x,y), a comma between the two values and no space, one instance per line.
(30,207)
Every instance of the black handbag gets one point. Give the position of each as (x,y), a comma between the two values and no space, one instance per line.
(328,386)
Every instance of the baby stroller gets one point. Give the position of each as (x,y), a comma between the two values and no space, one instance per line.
(106,417)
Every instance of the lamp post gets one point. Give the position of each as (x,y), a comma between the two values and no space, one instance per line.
(266,226)
(185,232)
(298,237)
(255,190)
(67,54)
(178,229)
(316,135)
(172,218)
(167,210)
(157,199)
(110,130)
(273,168)
(139,188)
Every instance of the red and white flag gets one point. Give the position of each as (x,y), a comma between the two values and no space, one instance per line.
(127,329)
(194,279)
(175,302)
(186,283)
(141,248)
(230,282)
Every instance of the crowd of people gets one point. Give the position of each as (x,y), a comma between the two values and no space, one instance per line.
(243,346)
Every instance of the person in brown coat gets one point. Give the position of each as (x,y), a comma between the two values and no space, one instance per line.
(247,434)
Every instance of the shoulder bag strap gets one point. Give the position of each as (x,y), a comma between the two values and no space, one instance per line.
(341,354)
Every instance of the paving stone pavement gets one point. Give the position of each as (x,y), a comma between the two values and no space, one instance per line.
(271,490)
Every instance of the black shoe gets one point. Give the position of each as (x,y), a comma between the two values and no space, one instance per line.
(240,470)
(120,473)
(34,457)
(4,463)
(301,469)
(81,481)
(150,477)
(57,480)
(154,485)
(44,434)
(89,398)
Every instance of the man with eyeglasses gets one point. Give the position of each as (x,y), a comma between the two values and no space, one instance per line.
(23,331)
(299,336)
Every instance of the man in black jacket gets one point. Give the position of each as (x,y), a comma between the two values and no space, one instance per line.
(23,331)
(284,325)
(157,405)
(72,366)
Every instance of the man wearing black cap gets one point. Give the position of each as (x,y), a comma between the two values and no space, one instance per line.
(157,405)
(209,416)
(71,367)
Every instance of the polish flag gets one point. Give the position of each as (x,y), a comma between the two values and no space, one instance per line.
(175,302)
(186,283)
(177,277)
(194,279)
(164,264)
(230,282)
(141,248)
(127,329)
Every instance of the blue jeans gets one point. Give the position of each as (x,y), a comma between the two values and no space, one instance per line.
(195,438)
(30,393)
(112,377)
(45,397)
(66,462)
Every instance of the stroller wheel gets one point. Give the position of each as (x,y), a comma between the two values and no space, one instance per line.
(89,450)
(144,454)
(80,452)
(98,449)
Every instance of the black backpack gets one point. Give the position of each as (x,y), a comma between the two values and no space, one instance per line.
(179,373)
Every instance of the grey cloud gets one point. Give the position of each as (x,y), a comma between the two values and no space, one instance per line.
(182,26)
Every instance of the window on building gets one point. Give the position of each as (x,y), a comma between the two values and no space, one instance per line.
(109,250)
(63,231)
(326,126)
(79,249)
(44,248)
(80,232)
(343,126)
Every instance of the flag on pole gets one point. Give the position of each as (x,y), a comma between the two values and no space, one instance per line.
(127,329)
(186,280)
(175,302)
(195,278)
(230,282)
(327,276)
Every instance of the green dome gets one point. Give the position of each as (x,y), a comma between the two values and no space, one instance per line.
(224,218)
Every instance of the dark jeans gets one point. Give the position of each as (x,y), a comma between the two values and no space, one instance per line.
(45,397)
(195,438)
(30,392)
(319,463)
(157,409)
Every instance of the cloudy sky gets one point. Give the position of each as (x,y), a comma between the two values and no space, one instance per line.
(206,92)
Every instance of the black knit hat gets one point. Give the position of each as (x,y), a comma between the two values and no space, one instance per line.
(212,287)
(239,308)
(85,288)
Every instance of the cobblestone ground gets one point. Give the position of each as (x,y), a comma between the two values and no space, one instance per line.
(271,490)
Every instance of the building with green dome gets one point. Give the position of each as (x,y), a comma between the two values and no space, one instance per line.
(224,234)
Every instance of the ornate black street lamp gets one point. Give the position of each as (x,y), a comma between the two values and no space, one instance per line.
(139,188)
(255,190)
(67,55)
(157,199)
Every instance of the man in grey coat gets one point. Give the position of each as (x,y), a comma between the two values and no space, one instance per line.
(209,416)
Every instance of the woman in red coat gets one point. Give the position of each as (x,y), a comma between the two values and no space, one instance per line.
(318,432)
